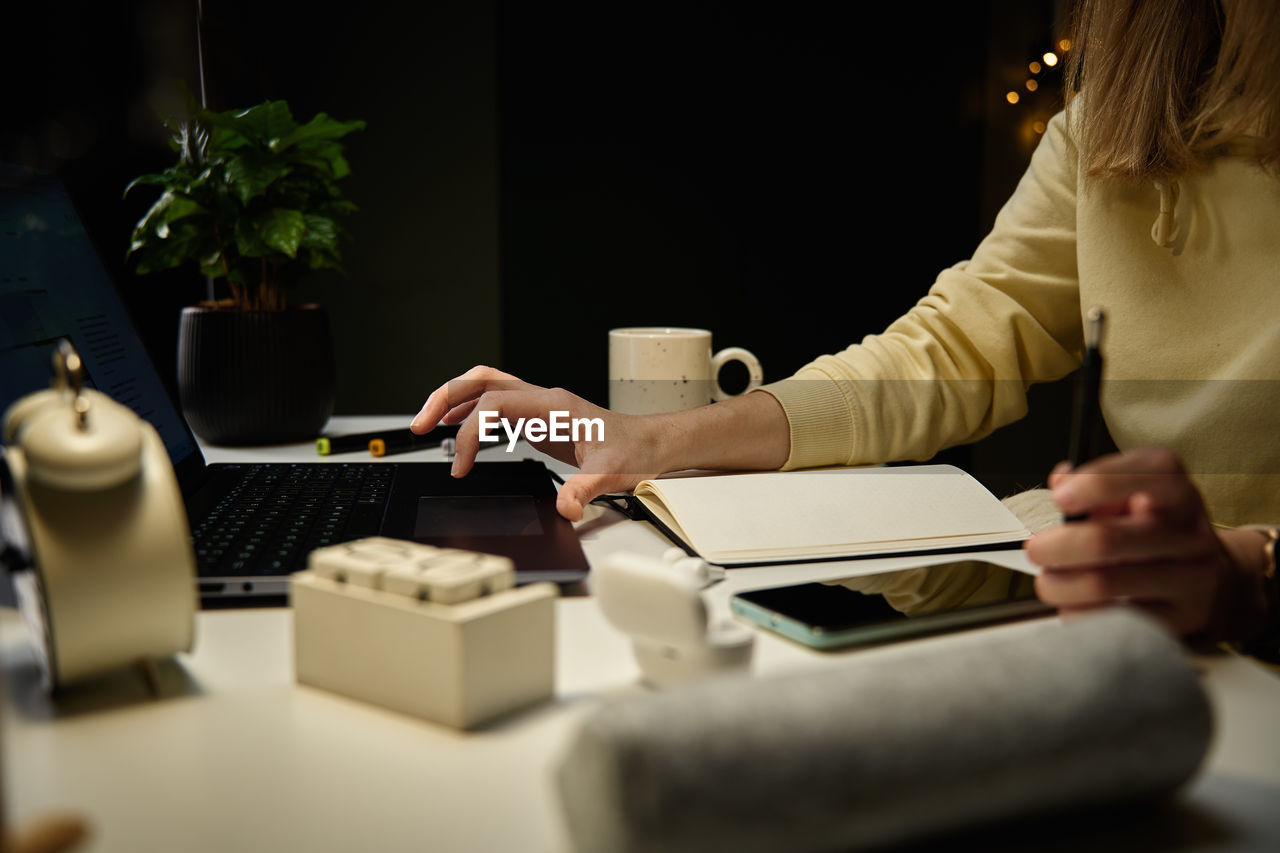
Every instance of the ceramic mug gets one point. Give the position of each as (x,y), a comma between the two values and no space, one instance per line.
(663,369)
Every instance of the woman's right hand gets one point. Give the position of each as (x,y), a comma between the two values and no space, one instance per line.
(631,449)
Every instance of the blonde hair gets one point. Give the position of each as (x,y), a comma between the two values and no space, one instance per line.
(1169,83)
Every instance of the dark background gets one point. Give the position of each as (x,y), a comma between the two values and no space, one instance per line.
(792,176)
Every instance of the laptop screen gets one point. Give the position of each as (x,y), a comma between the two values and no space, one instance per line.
(54,286)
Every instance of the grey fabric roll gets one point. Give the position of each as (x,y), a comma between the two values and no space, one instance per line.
(893,746)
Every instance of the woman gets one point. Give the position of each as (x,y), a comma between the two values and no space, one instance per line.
(1155,195)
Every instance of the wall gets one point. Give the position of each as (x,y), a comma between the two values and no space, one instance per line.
(790,176)
(420,302)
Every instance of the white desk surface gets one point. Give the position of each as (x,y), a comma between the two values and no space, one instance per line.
(236,756)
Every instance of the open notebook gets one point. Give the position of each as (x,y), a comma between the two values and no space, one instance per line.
(830,513)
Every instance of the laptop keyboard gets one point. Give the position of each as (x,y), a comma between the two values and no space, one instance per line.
(278,514)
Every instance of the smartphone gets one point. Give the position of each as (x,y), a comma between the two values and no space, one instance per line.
(827,617)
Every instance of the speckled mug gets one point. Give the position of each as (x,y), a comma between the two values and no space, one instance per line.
(661,369)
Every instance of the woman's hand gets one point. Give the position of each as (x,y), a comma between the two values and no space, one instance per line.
(1147,540)
(628,453)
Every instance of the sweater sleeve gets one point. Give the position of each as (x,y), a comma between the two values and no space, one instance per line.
(959,363)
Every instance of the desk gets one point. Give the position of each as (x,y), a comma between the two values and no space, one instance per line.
(235,756)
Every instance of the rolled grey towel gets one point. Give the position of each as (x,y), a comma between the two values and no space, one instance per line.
(892,747)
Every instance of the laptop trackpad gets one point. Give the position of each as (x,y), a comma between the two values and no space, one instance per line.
(476,515)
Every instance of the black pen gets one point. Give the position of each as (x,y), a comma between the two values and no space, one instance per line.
(1086,427)
(403,441)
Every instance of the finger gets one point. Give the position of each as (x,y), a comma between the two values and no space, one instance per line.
(1057,474)
(458,414)
(1134,538)
(1160,610)
(467,441)
(1175,583)
(1111,480)
(509,405)
(578,491)
(1069,614)
(49,834)
(466,387)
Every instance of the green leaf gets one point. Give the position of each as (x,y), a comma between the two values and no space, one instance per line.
(249,173)
(325,151)
(153,180)
(321,259)
(264,123)
(225,137)
(321,233)
(320,127)
(338,206)
(211,265)
(169,208)
(249,242)
(183,244)
(280,229)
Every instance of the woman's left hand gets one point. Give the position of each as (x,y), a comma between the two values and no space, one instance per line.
(1146,540)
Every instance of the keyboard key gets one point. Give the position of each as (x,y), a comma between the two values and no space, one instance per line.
(268,523)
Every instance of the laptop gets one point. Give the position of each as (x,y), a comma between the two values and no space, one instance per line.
(251,525)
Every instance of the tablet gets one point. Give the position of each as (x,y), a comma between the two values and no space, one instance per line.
(505,508)
(827,616)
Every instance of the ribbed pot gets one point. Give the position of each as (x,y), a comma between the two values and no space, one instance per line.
(256,377)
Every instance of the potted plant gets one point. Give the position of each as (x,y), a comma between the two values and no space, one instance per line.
(252,200)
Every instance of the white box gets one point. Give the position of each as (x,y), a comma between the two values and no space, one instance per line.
(458,664)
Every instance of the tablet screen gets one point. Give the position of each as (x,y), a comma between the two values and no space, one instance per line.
(476,515)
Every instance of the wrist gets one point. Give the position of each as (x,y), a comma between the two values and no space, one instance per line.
(1248,608)
(662,438)
(1247,548)
(748,433)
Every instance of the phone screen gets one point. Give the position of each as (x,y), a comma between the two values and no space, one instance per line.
(826,616)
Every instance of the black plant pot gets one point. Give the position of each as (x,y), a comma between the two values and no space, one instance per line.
(256,377)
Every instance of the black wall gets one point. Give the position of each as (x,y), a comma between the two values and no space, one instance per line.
(790,176)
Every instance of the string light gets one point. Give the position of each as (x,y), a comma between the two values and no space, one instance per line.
(1038,127)
(1046,62)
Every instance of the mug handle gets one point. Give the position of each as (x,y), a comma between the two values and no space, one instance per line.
(754,371)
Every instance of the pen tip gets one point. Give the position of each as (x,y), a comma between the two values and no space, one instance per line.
(1094,317)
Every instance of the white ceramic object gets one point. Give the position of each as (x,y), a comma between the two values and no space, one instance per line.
(658,604)
(437,633)
(664,369)
(94,531)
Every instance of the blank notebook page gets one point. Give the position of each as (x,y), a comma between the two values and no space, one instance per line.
(831,512)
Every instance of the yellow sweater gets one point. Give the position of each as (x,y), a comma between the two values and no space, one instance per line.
(1192,345)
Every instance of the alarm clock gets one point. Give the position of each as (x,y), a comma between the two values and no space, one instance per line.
(93,530)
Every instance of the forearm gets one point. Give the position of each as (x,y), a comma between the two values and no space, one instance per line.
(745,433)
